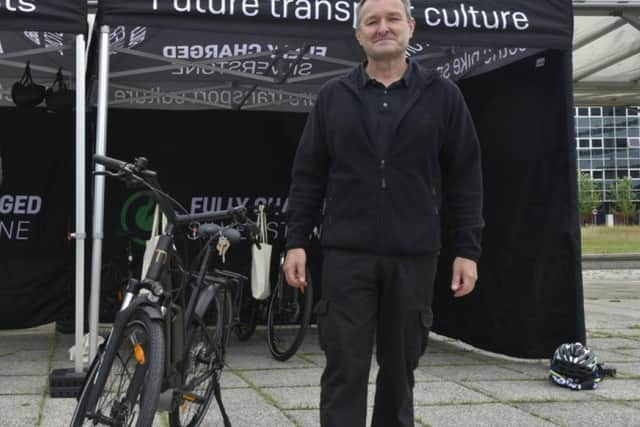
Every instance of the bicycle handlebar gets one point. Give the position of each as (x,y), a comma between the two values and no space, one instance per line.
(138,171)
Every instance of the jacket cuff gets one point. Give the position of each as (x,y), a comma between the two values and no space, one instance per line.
(467,243)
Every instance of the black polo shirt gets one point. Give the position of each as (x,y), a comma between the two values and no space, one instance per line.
(383,105)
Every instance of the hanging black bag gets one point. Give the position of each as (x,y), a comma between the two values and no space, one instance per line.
(26,93)
(59,97)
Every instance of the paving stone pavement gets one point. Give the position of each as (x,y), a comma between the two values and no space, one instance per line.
(456,384)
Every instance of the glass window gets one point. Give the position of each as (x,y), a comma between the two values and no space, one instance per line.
(620,111)
(634,163)
(595,111)
(633,131)
(596,122)
(634,142)
(633,121)
(634,153)
(623,174)
(621,132)
(583,143)
(609,143)
(583,122)
(635,173)
(607,122)
(610,174)
(621,142)
(596,143)
(583,154)
(607,111)
(608,132)
(597,174)
(583,111)
(584,164)
(622,163)
(583,132)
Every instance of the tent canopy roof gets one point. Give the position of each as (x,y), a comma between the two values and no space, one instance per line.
(606,52)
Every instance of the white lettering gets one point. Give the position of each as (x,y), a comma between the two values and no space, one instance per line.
(470,17)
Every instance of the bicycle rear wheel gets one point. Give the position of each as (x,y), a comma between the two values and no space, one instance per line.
(288,317)
(132,370)
(203,364)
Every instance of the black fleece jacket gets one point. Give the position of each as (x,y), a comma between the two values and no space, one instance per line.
(388,203)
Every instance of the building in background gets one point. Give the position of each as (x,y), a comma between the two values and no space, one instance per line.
(608,145)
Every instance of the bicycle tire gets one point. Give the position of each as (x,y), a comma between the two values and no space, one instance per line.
(205,346)
(113,367)
(288,317)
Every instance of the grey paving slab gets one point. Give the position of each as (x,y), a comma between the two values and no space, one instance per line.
(252,361)
(23,384)
(230,379)
(619,344)
(58,413)
(542,390)
(475,373)
(625,370)
(23,367)
(611,356)
(311,417)
(581,414)
(13,343)
(297,397)
(477,415)
(620,389)
(19,410)
(319,360)
(446,392)
(633,403)
(446,359)
(634,352)
(535,370)
(246,408)
(284,378)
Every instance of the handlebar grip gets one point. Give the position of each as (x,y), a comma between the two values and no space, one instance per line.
(213,229)
(109,162)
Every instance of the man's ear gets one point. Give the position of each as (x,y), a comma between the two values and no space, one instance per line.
(412,26)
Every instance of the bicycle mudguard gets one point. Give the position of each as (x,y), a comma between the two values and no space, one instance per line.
(204,299)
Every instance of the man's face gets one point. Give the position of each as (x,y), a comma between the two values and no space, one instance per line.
(384,29)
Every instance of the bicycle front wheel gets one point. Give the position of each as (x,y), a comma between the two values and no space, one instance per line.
(129,374)
(203,363)
(288,317)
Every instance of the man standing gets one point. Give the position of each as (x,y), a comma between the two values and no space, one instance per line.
(388,148)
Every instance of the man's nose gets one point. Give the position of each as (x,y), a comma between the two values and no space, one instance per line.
(383,27)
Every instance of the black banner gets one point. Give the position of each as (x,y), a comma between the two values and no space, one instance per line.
(151,68)
(36,213)
(64,16)
(512,23)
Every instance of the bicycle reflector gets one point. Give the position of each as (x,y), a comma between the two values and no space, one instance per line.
(575,366)
(138,351)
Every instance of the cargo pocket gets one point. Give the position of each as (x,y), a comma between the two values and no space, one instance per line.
(321,310)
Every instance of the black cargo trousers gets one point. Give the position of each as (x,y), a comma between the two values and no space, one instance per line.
(363,295)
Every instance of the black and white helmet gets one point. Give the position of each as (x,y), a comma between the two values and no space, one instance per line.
(575,366)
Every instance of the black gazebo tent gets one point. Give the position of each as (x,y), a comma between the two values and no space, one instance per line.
(36,195)
(512,60)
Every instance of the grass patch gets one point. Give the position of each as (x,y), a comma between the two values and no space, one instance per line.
(618,239)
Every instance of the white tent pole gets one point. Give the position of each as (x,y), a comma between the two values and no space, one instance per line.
(80,231)
(98,193)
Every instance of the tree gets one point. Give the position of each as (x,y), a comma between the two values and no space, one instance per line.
(590,196)
(622,193)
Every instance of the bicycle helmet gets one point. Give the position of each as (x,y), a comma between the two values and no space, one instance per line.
(575,366)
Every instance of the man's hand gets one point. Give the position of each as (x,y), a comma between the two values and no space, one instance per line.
(294,268)
(465,274)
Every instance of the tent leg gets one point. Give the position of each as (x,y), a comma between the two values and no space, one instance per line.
(98,201)
(80,231)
